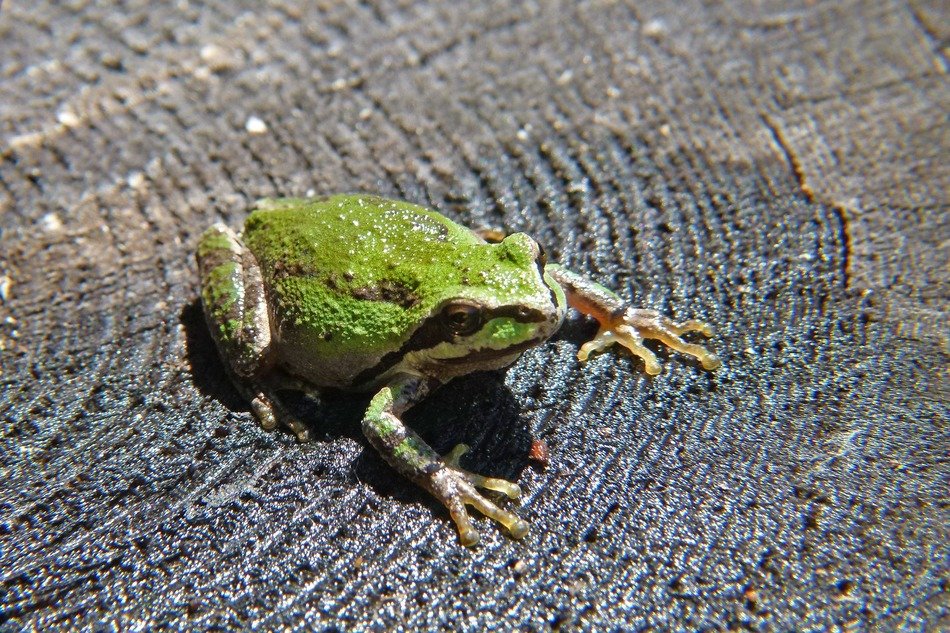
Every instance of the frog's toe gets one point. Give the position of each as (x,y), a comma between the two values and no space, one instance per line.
(626,336)
(515,525)
(455,492)
(455,488)
(505,487)
(691,325)
(636,325)
(269,412)
(303,435)
(468,535)
(298,428)
(653,325)
(263,410)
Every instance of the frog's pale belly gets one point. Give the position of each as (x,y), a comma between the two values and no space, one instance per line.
(339,372)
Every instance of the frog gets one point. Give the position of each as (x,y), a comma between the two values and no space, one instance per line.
(360,293)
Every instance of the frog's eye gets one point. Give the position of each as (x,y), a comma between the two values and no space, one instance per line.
(461,318)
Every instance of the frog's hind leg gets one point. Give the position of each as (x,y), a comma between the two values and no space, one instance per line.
(267,406)
(453,487)
(269,411)
(235,309)
(232,297)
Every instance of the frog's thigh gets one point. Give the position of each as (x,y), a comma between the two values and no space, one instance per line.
(232,293)
(236,311)
(453,487)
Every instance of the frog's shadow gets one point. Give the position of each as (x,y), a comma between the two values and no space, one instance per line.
(477,409)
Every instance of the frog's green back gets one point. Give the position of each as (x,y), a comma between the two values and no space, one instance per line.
(354,275)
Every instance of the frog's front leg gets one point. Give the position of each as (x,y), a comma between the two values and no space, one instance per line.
(408,453)
(628,326)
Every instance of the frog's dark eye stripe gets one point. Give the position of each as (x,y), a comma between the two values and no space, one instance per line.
(542,257)
(434,331)
(521,314)
(430,333)
(542,261)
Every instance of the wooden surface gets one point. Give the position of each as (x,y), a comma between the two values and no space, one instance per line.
(779,168)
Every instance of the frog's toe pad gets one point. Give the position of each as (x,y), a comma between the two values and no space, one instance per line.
(263,410)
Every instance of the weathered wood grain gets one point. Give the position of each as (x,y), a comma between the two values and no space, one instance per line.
(777,168)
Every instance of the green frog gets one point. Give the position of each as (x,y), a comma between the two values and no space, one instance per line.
(363,293)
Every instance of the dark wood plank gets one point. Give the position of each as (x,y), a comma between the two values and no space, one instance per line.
(777,168)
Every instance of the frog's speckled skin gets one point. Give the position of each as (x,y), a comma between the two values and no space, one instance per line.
(364,293)
(344,302)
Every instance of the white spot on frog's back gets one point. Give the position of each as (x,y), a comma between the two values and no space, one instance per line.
(421,224)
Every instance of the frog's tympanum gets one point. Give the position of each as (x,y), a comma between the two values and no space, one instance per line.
(362,293)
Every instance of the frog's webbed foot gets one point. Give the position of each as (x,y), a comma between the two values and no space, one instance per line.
(453,486)
(634,325)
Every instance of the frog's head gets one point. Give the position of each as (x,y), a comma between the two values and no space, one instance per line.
(503,303)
